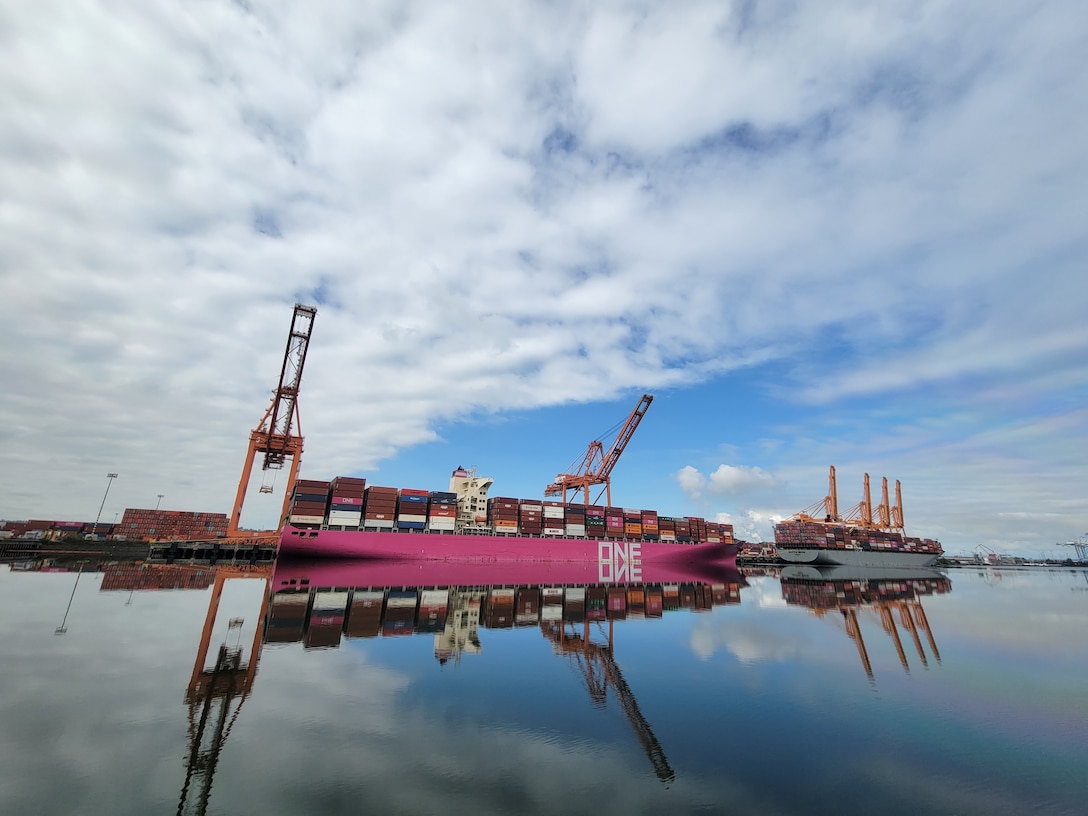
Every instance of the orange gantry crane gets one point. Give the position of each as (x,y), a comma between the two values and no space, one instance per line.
(279,433)
(596,467)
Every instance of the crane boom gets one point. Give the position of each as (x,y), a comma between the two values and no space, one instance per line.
(597,466)
(279,433)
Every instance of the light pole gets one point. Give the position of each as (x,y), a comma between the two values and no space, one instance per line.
(111,477)
(160,495)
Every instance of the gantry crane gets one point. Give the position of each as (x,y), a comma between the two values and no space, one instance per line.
(888,516)
(601,672)
(279,433)
(596,467)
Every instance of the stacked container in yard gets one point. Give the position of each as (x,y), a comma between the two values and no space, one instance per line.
(530,518)
(650,529)
(632,523)
(553,518)
(595,522)
(379,507)
(365,616)
(683,531)
(613,522)
(171,525)
(412,509)
(65,529)
(502,514)
(309,503)
(346,505)
(442,511)
(575,520)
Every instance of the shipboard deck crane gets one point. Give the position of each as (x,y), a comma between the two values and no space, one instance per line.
(279,433)
(596,467)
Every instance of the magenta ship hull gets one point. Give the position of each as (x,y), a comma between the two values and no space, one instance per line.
(326,572)
(379,545)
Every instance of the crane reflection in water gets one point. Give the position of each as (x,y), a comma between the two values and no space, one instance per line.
(578,621)
(891,593)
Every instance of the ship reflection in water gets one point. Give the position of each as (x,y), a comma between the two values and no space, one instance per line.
(320,603)
(890,593)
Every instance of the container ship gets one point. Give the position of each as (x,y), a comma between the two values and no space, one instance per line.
(347,518)
(856,539)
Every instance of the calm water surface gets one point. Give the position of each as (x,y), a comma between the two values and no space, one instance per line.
(957,693)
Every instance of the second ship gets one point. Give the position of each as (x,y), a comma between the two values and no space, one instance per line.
(858,538)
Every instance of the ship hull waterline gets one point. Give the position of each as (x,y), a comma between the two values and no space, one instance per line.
(482,548)
(291,573)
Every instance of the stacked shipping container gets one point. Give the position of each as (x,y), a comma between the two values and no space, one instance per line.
(171,525)
(442,511)
(340,504)
(380,508)
(309,503)
(797,534)
(346,503)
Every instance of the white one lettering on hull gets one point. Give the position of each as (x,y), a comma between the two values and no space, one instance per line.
(619,561)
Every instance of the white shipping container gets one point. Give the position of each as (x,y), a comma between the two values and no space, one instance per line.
(556,531)
(344,517)
(378,524)
(404,517)
(306,519)
(552,512)
(576,529)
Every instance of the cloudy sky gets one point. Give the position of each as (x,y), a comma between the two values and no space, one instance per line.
(840,233)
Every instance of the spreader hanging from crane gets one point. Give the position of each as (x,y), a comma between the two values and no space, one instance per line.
(278,435)
(596,467)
